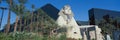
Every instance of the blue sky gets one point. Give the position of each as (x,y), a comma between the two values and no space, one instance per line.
(79,7)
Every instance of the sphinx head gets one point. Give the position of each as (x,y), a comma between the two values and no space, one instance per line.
(67,9)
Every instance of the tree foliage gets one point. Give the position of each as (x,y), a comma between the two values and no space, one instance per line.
(108,24)
(29,36)
(45,26)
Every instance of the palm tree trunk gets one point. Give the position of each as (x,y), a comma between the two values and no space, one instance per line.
(24,24)
(8,23)
(16,23)
(20,24)
(31,28)
(37,22)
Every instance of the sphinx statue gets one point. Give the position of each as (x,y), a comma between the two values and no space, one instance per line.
(67,20)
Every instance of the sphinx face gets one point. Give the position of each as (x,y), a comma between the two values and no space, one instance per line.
(66,13)
(67,9)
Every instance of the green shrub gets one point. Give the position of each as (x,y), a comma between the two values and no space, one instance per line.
(20,36)
(29,36)
(62,37)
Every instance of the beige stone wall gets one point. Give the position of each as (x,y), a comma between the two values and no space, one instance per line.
(93,34)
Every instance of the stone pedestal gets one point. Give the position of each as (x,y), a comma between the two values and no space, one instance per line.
(91,32)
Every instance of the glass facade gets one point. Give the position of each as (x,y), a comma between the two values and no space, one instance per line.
(96,15)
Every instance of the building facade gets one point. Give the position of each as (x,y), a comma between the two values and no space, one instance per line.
(96,15)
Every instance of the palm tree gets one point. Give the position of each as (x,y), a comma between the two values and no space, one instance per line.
(16,22)
(31,28)
(18,9)
(22,11)
(37,22)
(3,8)
(9,14)
(25,17)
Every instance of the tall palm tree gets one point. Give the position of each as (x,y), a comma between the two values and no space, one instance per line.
(37,22)
(22,11)
(18,9)
(26,17)
(31,28)
(9,14)
(3,8)
(16,22)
